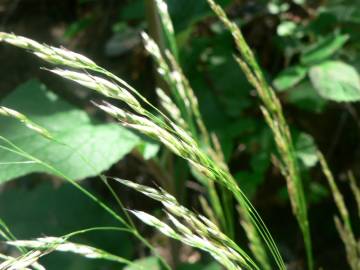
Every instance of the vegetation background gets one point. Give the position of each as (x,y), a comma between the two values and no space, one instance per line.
(309,52)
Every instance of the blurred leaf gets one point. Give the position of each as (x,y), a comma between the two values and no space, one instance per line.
(78,26)
(101,144)
(249,182)
(259,145)
(148,148)
(238,128)
(344,10)
(305,149)
(230,84)
(186,13)
(286,28)
(149,263)
(135,10)
(324,49)
(46,210)
(317,192)
(122,42)
(289,77)
(323,24)
(275,7)
(337,81)
(306,98)
(183,13)
(199,266)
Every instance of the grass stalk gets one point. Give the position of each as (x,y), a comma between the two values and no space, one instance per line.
(272,111)
(189,116)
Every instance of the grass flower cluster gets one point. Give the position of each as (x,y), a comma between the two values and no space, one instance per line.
(343,223)
(192,229)
(274,116)
(164,130)
(179,126)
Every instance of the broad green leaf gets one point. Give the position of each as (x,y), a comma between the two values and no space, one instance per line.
(289,77)
(324,49)
(47,210)
(337,81)
(100,144)
(305,149)
(148,263)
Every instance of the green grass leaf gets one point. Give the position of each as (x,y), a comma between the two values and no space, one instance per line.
(337,81)
(323,49)
(101,144)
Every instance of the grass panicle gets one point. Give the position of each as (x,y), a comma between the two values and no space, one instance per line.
(26,121)
(62,245)
(343,224)
(26,261)
(192,229)
(167,26)
(174,137)
(169,69)
(272,111)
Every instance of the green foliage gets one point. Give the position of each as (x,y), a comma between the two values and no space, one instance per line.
(290,77)
(200,266)
(344,10)
(316,61)
(80,137)
(305,97)
(323,49)
(78,26)
(306,149)
(337,81)
(148,263)
(47,210)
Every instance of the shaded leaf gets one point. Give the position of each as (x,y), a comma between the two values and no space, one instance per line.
(289,77)
(305,149)
(306,98)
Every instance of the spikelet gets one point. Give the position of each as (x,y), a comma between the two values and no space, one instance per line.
(26,121)
(50,54)
(192,229)
(25,261)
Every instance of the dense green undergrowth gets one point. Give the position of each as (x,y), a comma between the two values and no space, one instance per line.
(215,106)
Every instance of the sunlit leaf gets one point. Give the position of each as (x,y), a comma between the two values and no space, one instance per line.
(337,81)
(86,140)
